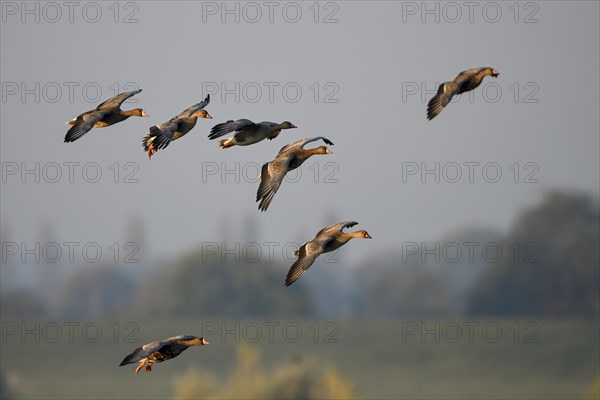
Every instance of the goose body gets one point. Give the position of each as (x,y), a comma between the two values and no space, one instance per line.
(247,132)
(464,82)
(289,158)
(106,114)
(159,351)
(327,239)
(161,135)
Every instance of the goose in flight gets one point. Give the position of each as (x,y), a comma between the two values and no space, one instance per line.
(464,82)
(106,114)
(327,239)
(289,158)
(161,135)
(247,132)
(160,351)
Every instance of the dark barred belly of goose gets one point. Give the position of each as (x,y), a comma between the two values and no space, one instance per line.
(166,354)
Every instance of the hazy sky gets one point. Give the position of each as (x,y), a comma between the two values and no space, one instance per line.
(539,117)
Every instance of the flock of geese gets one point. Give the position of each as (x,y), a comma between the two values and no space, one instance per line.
(245,133)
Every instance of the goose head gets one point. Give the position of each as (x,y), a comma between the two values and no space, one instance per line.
(322,150)
(202,114)
(361,235)
(136,112)
(197,341)
(287,125)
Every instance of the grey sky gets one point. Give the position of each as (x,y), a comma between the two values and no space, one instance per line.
(371,57)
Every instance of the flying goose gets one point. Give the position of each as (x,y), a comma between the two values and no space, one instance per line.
(326,240)
(160,351)
(289,158)
(106,114)
(464,82)
(161,135)
(247,132)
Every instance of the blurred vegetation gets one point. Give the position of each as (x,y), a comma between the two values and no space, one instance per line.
(558,275)
(22,303)
(299,378)
(198,285)
(5,393)
(402,291)
(94,292)
(555,274)
(593,391)
(372,355)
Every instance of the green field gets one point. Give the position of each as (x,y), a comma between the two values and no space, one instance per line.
(543,360)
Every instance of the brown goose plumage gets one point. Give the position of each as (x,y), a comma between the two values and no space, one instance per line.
(289,158)
(160,351)
(106,114)
(327,239)
(161,135)
(464,82)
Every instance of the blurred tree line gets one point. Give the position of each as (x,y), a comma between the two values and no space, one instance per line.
(557,277)
(202,285)
(549,267)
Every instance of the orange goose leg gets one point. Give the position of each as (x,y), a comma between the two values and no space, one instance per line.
(149,366)
(141,364)
(151,151)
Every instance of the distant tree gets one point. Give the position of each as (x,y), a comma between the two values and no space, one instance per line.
(212,286)
(94,292)
(556,269)
(21,303)
(401,291)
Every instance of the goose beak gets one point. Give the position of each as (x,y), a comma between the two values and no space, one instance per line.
(327,151)
(495,73)
(145,114)
(208,116)
(294,126)
(368,236)
(204,341)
